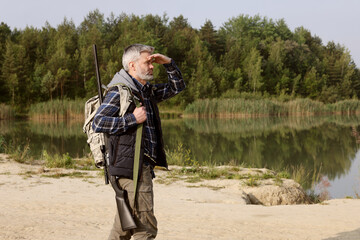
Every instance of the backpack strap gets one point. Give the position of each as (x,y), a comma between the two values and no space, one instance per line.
(88,120)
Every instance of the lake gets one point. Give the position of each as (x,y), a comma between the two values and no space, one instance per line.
(322,152)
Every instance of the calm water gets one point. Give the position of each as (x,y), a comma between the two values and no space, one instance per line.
(325,149)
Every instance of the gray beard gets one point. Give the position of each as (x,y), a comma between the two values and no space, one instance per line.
(143,76)
(146,77)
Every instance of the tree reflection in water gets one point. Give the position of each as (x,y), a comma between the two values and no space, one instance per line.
(308,147)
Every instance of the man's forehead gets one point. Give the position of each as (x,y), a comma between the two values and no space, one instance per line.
(144,55)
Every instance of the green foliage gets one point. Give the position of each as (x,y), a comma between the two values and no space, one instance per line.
(180,156)
(86,163)
(247,54)
(253,69)
(283,174)
(58,161)
(252,182)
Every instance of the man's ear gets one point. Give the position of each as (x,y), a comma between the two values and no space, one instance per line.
(132,66)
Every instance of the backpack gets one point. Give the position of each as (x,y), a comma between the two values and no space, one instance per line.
(96,141)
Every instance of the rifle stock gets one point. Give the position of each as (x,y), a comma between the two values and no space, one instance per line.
(126,219)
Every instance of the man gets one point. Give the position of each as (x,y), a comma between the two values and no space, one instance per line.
(118,116)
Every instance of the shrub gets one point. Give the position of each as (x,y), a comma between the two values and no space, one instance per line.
(58,161)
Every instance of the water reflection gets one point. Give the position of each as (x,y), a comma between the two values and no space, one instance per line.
(320,146)
(54,137)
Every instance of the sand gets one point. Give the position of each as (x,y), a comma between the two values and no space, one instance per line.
(37,207)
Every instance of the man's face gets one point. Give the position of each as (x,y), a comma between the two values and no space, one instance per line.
(144,67)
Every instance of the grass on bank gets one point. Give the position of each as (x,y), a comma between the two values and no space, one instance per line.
(20,153)
(75,174)
(58,109)
(250,178)
(58,161)
(230,106)
(180,157)
(74,109)
(196,172)
(192,171)
(67,162)
(268,107)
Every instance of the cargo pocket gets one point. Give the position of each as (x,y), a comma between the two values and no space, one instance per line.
(145,192)
(145,199)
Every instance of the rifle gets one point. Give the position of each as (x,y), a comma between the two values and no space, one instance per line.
(126,219)
(101,99)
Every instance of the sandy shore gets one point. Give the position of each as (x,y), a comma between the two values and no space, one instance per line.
(36,207)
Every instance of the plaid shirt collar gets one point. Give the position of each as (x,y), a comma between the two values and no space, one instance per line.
(143,89)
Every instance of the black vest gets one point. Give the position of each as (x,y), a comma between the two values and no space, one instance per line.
(122,148)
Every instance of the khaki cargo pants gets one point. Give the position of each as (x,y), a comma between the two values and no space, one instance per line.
(144,214)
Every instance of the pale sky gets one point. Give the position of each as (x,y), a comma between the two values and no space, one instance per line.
(331,20)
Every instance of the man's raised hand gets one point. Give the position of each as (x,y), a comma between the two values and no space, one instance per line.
(159,58)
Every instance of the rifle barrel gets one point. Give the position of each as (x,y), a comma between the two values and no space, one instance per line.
(98,74)
(100,100)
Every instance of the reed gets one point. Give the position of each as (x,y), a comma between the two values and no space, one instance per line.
(305,107)
(241,107)
(58,109)
(347,107)
(6,111)
(234,107)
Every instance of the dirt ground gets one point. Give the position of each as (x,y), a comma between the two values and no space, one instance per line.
(37,207)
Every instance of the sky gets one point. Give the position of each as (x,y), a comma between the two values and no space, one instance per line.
(331,20)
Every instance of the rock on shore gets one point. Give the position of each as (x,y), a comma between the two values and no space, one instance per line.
(267,191)
(288,193)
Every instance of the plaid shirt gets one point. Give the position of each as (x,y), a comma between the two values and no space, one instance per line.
(150,139)
(107,120)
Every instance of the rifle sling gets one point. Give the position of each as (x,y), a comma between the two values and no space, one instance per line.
(139,131)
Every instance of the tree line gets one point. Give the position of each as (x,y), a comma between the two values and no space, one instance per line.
(248,54)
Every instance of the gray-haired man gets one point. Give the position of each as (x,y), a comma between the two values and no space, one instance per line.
(137,71)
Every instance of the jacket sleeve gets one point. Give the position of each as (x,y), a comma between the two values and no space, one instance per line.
(107,120)
(174,85)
